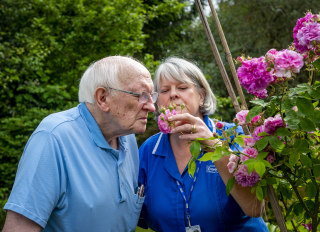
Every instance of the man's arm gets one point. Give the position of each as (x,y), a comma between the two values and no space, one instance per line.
(16,222)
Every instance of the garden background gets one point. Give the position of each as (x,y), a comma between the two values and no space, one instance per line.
(45,46)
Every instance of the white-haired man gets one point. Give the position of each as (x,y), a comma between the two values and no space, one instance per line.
(79,169)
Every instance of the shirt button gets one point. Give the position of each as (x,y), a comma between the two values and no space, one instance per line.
(121,185)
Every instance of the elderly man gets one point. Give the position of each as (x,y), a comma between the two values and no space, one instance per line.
(79,169)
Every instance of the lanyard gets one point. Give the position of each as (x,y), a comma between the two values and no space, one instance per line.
(191,189)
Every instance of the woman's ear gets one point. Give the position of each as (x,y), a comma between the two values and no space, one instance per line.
(102,95)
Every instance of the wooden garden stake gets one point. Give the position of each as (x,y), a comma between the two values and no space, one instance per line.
(270,190)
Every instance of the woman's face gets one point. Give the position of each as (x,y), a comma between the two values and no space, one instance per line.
(178,93)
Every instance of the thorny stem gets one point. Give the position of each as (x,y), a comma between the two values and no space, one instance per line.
(297,193)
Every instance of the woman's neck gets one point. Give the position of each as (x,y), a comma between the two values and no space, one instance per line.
(181,151)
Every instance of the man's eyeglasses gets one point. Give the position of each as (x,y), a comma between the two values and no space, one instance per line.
(143,97)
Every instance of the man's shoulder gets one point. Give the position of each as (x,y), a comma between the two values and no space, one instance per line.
(59,119)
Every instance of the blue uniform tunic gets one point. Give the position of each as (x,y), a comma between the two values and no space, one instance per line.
(70,179)
(210,207)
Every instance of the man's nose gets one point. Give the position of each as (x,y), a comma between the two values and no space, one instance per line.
(149,106)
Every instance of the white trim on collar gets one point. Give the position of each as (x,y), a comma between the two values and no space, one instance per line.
(157,144)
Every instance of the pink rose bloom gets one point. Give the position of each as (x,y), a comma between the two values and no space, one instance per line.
(219,125)
(231,167)
(164,125)
(253,75)
(309,36)
(243,178)
(241,116)
(256,118)
(271,124)
(301,23)
(295,108)
(287,62)
(260,94)
(270,56)
(249,142)
(250,152)
(256,131)
(270,158)
(233,158)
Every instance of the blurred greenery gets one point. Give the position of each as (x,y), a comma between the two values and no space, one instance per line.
(45,45)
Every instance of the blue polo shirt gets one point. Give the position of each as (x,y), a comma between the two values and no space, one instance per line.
(70,179)
(210,207)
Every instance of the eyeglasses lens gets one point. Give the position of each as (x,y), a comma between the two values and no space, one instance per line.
(144,97)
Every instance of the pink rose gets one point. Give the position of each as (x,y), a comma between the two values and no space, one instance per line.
(219,125)
(231,167)
(253,75)
(241,116)
(249,152)
(164,125)
(249,142)
(271,124)
(243,178)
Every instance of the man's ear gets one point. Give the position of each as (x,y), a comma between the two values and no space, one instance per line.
(102,95)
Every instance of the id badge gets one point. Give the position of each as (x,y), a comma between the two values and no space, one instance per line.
(195,228)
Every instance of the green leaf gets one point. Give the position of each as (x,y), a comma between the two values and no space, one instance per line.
(316,170)
(281,131)
(239,140)
(301,146)
(315,93)
(294,157)
(271,180)
(213,156)
(316,118)
(276,143)
(195,149)
(230,184)
(260,168)
(259,193)
(262,143)
(253,112)
(306,161)
(192,167)
(307,125)
(305,106)
(260,102)
(262,155)
(311,190)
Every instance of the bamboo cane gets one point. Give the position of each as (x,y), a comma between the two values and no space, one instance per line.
(271,193)
(228,56)
(218,58)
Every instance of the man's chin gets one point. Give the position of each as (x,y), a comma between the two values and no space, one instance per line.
(140,130)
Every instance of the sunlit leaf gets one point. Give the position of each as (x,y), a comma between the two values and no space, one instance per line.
(230,184)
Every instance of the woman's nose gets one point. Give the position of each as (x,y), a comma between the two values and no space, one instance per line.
(173,93)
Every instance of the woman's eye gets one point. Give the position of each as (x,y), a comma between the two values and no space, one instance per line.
(183,87)
(163,91)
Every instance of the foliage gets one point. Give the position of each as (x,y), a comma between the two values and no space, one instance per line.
(283,146)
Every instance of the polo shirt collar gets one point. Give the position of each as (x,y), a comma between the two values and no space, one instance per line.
(94,128)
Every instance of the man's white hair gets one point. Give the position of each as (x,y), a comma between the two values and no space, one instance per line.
(105,72)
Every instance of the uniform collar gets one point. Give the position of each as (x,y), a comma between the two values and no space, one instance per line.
(95,132)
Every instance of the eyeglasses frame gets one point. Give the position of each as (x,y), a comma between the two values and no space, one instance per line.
(135,94)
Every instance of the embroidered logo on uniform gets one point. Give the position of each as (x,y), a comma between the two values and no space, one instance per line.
(211,169)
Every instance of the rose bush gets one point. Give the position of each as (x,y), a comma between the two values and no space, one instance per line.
(283,147)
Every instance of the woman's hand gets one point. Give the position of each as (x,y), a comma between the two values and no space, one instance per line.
(191,128)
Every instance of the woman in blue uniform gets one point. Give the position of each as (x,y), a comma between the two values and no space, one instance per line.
(174,201)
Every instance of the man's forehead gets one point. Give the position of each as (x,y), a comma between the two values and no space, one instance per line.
(137,82)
